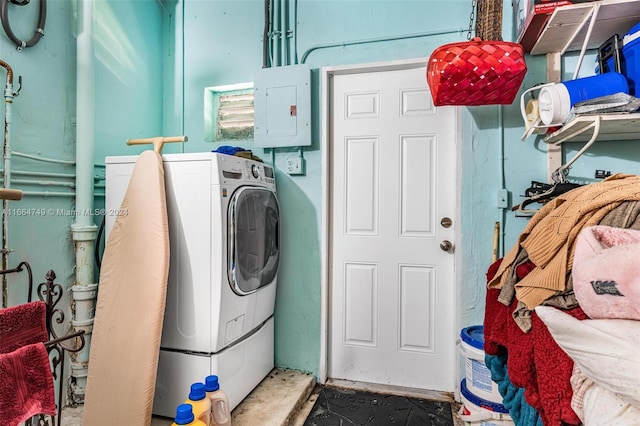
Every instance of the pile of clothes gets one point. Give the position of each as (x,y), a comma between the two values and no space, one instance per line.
(542,334)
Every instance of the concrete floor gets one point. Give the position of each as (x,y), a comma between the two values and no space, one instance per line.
(283,398)
(276,401)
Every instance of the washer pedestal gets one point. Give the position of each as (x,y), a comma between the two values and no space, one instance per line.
(240,367)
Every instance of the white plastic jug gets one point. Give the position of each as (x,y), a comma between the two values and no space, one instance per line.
(220,413)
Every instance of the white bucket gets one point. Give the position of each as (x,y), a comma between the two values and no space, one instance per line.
(478,375)
(477,411)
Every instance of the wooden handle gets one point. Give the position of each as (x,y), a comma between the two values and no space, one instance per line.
(10,194)
(157,142)
(496,238)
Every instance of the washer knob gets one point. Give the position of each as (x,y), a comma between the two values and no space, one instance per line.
(255,171)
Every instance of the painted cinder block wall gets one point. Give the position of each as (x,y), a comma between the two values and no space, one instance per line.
(128,96)
(321,29)
(153,61)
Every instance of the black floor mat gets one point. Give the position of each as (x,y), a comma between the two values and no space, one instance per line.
(338,407)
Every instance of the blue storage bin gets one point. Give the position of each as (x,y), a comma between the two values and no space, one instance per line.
(630,60)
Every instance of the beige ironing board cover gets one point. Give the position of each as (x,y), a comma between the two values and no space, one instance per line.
(130,306)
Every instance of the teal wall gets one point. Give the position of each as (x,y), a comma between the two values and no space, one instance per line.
(128,103)
(43,125)
(222,45)
(129,80)
(153,61)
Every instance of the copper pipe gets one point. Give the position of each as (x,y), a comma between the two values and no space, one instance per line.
(9,71)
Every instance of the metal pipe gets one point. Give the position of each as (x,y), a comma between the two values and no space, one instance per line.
(275,33)
(44,182)
(46,194)
(41,174)
(6,181)
(283,32)
(7,126)
(83,230)
(503,183)
(51,194)
(272,49)
(294,32)
(265,35)
(45,159)
(378,40)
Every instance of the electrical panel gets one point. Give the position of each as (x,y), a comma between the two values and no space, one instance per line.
(282,106)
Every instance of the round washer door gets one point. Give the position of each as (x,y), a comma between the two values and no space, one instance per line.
(253,239)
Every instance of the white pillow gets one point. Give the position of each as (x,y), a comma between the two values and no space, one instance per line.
(604,408)
(606,350)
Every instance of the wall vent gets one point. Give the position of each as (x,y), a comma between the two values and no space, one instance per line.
(229,114)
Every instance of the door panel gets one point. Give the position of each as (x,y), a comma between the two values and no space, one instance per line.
(392,179)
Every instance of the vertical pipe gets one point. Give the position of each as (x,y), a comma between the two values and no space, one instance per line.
(8,99)
(275,33)
(265,35)
(294,31)
(271,30)
(503,211)
(83,230)
(283,32)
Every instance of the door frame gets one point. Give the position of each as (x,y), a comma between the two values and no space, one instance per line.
(326,77)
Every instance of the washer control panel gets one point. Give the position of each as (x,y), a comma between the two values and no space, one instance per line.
(260,172)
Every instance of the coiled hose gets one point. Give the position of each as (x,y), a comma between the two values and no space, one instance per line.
(38,33)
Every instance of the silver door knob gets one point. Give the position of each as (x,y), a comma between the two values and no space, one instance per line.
(446,245)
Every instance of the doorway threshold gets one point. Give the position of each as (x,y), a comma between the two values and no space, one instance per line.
(392,390)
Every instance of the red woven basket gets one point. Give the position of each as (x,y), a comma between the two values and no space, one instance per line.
(476,72)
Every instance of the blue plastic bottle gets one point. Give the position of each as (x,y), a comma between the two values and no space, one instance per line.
(201,405)
(185,417)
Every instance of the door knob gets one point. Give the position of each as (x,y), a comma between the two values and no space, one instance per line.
(446,245)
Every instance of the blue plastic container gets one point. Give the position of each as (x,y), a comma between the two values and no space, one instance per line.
(478,376)
(478,411)
(583,89)
(555,100)
(631,55)
(630,59)
(474,336)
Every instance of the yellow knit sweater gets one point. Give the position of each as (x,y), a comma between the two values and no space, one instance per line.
(549,236)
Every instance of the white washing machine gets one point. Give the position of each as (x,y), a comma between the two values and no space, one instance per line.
(224,242)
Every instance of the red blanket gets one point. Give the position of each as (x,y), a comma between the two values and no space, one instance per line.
(535,362)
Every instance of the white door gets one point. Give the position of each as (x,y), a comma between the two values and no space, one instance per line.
(392,289)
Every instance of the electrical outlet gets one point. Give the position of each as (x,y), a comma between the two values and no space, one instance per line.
(295,166)
(502,201)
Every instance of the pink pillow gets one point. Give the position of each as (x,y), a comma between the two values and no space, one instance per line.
(606,272)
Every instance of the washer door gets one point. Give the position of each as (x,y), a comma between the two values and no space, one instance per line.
(253,239)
